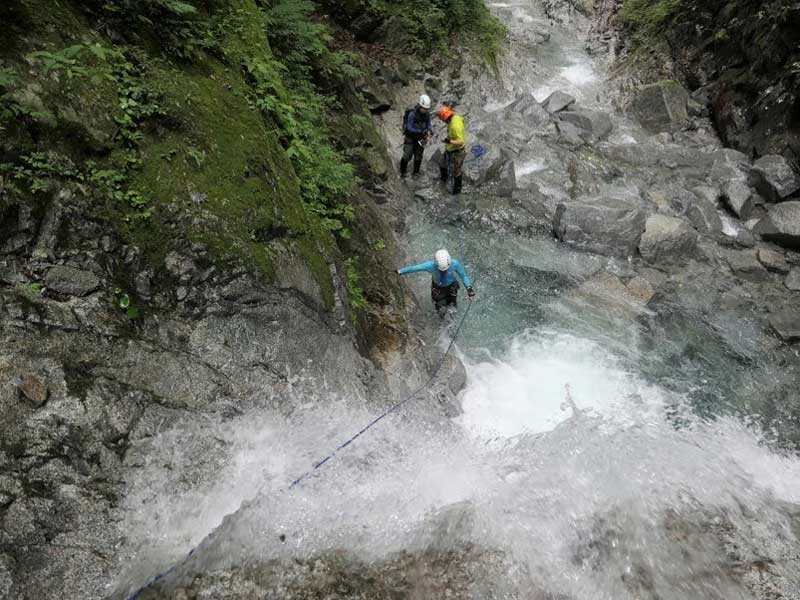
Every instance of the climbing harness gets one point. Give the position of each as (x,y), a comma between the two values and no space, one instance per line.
(330,456)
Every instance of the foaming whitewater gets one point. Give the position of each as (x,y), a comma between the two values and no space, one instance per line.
(545,379)
(575,486)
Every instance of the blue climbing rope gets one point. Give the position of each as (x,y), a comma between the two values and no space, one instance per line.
(322,462)
(376,420)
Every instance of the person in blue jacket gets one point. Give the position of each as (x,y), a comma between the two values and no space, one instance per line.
(417,129)
(444,286)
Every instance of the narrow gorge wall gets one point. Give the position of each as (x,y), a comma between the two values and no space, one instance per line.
(197,223)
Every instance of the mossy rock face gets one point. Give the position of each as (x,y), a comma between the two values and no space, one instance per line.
(209,169)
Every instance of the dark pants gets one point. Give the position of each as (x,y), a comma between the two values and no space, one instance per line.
(444,296)
(451,170)
(411,148)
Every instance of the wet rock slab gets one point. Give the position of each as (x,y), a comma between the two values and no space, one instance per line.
(782,224)
(558,101)
(71,281)
(774,178)
(745,264)
(786,325)
(661,106)
(667,240)
(593,125)
(611,226)
(773,261)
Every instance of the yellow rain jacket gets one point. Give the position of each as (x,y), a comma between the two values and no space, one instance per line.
(456,133)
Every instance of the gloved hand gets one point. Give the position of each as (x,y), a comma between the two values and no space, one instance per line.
(470,294)
(447,140)
(397,271)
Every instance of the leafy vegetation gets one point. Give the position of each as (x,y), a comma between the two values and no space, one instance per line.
(424,26)
(179,28)
(432,22)
(82,65)
(647,15)
(123,301)
(355,292)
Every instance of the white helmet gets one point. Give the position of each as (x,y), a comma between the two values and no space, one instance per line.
(442,260)
(424,101)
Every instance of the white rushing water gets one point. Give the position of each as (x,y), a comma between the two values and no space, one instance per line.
(597,482)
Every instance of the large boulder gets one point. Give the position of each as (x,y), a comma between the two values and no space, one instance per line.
(558,101)
(731,173)
(494,166)
(505,181)
(702,212)
(745,265)
(786,324)
(528,112)
(661,106)
(773,261)
(592,124)
(611,226)
(667,240)
(774,178)
(782,224)
(570,134)
(739,197)
(71,281)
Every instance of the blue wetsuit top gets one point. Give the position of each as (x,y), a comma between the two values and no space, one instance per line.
(440,278)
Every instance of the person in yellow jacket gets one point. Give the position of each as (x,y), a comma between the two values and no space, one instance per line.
(455,150)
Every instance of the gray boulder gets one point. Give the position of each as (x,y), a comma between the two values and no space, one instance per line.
(527,110)
(495,166)
(427,194)
(558,101)
(505,181)
(71,281)
(708,193)
(774,178)
(661,106)
(729,162)
(570,134)
(667,240)
(792,280)
(786,324)
(772,260)
(604,225)
(435,161)
(745,265)
(739,197)
(592,124)
(782,224)
(731,172)
(703,215)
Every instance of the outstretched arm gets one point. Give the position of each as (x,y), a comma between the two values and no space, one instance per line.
(459,268)
(425,266)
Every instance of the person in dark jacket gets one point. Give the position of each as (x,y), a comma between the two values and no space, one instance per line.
(416,130)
